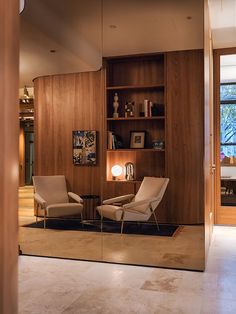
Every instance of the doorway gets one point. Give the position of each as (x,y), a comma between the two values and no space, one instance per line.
(225,130)
(29,157)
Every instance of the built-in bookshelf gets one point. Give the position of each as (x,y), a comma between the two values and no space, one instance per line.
(137,84)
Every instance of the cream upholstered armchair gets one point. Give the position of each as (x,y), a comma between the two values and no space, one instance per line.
(51,196)
(138,207)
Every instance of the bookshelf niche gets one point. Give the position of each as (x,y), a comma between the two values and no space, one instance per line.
(139,84)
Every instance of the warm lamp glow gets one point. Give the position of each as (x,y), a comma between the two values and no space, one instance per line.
(116,171)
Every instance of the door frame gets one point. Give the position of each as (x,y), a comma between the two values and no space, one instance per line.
(221,216)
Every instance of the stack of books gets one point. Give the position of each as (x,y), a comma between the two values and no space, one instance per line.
(147,108)
(114,141)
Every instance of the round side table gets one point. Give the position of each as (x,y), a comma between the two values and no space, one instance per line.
(90,203)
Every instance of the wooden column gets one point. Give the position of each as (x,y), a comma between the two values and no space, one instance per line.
(185,136)
(9,128)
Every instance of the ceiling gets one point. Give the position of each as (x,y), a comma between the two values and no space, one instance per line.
(60,36)
(223,23)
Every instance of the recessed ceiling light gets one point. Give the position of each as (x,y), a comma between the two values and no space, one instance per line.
(52,50)
(112,26)
(189,17)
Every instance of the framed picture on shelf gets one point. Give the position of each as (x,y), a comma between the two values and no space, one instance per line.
(84,148)
(137,139)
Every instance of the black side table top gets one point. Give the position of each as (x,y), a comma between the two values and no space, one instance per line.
(89,196)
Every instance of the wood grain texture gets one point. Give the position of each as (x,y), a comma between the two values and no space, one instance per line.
(223,214)
(64,103)
(185,136)
(135,78)
(9,140)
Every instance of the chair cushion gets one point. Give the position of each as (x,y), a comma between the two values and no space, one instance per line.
(133,215)
(64,209)
(110,212)
(149,188)
(51,188)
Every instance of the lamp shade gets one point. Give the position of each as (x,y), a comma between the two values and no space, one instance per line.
(116,171)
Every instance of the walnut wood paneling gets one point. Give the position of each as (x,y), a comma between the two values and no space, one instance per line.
(9,139)
(185,136)
(64,103)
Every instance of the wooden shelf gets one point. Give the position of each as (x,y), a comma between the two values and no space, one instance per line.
(135,150)
(135,79)
(124,87)
(136,118)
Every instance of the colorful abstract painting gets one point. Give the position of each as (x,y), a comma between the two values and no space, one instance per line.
(84,148)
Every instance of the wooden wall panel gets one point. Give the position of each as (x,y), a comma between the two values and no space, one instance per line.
(9,140)
(64,103)
(185,136)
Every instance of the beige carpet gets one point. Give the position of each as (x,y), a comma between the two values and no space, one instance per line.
(185,250)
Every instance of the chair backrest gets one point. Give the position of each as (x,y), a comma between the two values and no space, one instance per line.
(152,187)
(51,188)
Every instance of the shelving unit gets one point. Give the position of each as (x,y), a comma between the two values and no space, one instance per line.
(135,79)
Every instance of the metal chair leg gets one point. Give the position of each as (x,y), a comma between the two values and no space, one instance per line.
(82,221)
(101,222)
(37,212)
(154,214)
(44,220)
(122,223)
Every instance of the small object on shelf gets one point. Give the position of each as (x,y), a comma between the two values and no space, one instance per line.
(154,110)
(116,171)
(115,106)
(129,109)
(129,171)
(157,110)
(137,139)
(114,141)
(157,144)
(147,108)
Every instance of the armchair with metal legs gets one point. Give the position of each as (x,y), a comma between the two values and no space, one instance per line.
(138,207)
(52,198)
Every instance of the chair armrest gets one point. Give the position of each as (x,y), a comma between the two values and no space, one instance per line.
(40,200)
(75,197)
(139,203)
(118,199)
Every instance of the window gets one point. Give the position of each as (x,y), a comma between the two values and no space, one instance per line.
(228,123)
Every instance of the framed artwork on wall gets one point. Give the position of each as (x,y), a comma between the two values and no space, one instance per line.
(84,147)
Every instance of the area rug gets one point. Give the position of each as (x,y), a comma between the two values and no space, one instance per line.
(108,226)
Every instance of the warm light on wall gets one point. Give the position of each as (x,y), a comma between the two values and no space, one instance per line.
(116,171)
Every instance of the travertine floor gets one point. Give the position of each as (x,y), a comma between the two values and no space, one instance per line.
(183,251)
(66,286)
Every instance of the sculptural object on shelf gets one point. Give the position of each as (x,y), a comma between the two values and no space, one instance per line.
(129,171)
(129,109)
(115,106)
